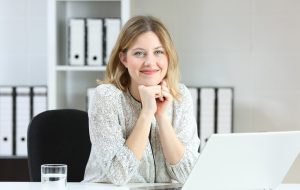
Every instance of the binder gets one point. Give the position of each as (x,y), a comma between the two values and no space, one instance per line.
(6,121)
(76,41)
(224,122)
(194,93)
(89,94)
(207,114)
(112,28)
(39,100)
(94,41)
(22,119)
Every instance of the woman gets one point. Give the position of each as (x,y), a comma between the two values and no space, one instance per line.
(142,127)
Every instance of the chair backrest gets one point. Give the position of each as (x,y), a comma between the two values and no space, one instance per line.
(59,136)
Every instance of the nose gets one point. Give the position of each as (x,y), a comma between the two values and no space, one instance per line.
(149,60)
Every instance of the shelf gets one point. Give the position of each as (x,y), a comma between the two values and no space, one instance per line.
(68,84)
(80,68)
(90,0)
(13,157)
(14,169)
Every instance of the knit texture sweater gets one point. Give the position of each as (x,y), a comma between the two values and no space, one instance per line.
(112,116)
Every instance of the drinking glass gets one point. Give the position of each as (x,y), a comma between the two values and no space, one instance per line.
(54,176)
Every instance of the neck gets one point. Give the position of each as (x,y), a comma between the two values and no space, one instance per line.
(134,91)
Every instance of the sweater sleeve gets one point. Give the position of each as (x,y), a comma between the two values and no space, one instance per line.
(111,160)
(185,126)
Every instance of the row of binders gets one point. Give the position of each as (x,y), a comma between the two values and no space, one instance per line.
(213,111)
(18,104)
(91,40)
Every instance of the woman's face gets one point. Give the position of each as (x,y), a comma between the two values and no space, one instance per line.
(146,60)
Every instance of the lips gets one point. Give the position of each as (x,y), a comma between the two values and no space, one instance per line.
(149,71)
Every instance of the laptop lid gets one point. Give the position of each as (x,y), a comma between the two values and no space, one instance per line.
(244,161)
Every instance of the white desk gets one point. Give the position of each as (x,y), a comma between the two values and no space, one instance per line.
(74,186)
(288,187)
(100,186)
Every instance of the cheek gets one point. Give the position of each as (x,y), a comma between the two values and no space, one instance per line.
(163,64)
(133,66)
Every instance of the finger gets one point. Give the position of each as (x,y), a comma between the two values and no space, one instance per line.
(167,96)
(164,88)
(165,92)
(164,83)
(157,92)
(161,98)
(157,95)
(141,87)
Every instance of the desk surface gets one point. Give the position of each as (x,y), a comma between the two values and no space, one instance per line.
(97,186)
(77,186)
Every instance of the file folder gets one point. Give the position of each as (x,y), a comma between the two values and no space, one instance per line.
(112,27)
(6,121)
(89,94)
(22,119)
(194,93)
(224,122)
(76,41)
(94,41)
(207,114)
(39,100)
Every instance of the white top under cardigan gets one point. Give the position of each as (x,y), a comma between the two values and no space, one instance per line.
(112,116)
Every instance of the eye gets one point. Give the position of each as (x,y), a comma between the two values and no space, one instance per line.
(158,52)
(139,53)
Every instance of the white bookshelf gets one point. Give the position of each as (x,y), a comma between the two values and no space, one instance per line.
(67,84)
(64,68)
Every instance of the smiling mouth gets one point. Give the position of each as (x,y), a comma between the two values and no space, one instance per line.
(149,72)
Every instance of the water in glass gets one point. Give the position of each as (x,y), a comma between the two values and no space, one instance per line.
(54,181)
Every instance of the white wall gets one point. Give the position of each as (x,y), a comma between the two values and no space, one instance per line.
(23,42)
(252,45)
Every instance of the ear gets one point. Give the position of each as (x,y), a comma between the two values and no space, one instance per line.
(123,59)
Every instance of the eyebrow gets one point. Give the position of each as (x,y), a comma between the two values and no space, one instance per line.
(158,47)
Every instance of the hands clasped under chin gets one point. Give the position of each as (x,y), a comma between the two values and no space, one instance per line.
(155,99)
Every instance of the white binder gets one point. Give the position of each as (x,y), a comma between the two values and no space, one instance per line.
(89,94)
(113,26)
(224,123)
(207,114)
(22,119)
(94,41)
(39,100)
(194,93)
(6,121)
(76,42)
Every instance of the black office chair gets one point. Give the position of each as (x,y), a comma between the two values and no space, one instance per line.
(59,137)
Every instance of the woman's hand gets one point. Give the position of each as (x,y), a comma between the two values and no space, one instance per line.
(148,95)
(155,99)
(164,101)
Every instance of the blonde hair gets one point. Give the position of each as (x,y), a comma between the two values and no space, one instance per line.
(117,74)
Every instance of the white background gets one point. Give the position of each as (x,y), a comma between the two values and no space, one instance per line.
(23,38)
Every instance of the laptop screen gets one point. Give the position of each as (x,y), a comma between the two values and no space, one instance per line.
(244,161)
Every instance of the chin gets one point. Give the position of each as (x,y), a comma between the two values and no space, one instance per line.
(151,83)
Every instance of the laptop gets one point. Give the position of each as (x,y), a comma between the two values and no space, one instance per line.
(242,161)
(245,161)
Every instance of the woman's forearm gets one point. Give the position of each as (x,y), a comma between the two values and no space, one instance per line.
(138,138)
(172,147)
